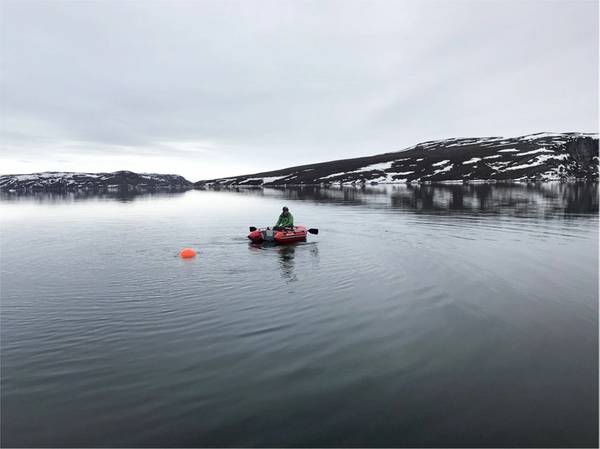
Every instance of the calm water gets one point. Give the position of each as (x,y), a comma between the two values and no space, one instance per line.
(432,316)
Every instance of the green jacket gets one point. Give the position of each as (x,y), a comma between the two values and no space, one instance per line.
(285,220)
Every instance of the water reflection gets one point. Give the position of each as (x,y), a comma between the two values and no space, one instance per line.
(543,200)
(403,306)
(287,256)
(82,195)
(548,199)
(518,200)
(286,262)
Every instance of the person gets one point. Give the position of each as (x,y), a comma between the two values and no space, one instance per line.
(286,220)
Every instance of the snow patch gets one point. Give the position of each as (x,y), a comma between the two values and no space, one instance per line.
(380,166)
(522,166)
(558,157)
(442,170)
(543,135)
(539,160)
(498,165)
(269,179)
(26,177)
(541,150)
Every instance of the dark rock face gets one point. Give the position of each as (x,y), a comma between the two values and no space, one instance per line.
(536,157)
(583,150)
(120,181)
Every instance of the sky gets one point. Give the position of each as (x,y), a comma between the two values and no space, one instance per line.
(213,88)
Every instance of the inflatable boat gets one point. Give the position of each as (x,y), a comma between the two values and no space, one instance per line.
(280,235)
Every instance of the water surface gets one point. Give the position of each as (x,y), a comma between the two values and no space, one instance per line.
(419,316)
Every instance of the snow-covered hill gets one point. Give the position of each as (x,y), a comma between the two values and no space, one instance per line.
(122,181)
(541,157)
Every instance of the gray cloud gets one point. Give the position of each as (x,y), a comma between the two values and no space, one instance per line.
(214,88)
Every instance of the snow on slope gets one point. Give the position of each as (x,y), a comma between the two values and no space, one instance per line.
(69,181)
(541,156)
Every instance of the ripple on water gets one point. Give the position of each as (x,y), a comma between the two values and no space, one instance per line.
(441,307)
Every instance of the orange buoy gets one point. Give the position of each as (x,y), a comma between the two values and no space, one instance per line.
(187,253)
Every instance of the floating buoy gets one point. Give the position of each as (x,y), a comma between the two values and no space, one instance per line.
(187,253)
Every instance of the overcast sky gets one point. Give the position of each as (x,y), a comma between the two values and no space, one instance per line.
(217,88)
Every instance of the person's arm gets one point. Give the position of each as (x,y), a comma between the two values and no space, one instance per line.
(290,219)
(279,220)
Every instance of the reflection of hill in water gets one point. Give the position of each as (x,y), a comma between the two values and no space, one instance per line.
(544,199)
(527,199)
(81,195)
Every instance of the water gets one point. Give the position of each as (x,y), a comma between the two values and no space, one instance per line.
(419,316)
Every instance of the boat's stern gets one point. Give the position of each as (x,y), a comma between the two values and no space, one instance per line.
(262,235)
(256,236)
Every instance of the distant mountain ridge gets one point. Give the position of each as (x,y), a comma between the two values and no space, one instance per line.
(121,181)
(535,157)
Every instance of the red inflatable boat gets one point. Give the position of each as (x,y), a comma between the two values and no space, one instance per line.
(280,236)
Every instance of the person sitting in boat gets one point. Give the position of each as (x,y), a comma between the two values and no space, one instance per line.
(286,220)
